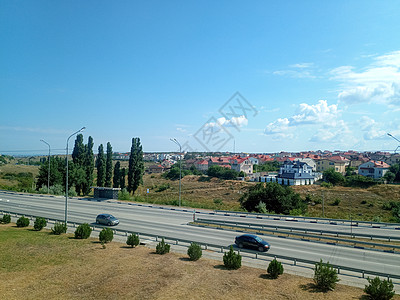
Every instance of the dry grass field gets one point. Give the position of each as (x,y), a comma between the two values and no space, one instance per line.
(37,265)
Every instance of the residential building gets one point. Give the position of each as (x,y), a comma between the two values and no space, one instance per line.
(373,169)
(242,165)
(339,163)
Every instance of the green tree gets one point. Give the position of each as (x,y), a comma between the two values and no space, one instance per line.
(89,166)
(122,178)
(378,289)
(57,172)
(275,269)
(101,167)
(117,175)
(325,276)
(395,169)
(78,154)
(136,166)
(133,240)
(109,166)
(389,177)
(232,260)
(277,198)
(331,176)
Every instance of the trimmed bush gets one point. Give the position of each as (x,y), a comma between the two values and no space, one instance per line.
(232,260)
(59,228)
(325,276)
(379,289)
(106,235)
(194,251)
(133,240)
(83,231)
(275,269)
(39,223)
(22,222)
(6,219)
(162,247)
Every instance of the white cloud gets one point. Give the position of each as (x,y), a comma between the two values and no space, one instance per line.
(298,70)
(294,74)
(235,121)
(338,134)
(313,114)
(372,129)
(378,83)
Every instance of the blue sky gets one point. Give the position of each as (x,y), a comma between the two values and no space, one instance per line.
(261,76)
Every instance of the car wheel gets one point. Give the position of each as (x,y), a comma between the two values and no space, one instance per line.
(261,249)
(109,223)
(240,245)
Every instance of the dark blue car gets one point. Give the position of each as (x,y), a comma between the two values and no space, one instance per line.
(252,241)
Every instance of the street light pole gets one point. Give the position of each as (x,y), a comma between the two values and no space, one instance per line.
(180,167)
(396,140)
(66,181)
(48,172)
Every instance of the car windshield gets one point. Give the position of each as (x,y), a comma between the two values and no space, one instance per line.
(260,240)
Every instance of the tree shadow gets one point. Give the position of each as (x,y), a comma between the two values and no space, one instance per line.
(266,276)
(184,259)
(311,287)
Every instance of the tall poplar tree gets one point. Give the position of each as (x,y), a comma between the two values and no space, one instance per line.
(78,154)
(136,166)
(109,166)
(122,178)
(101,167)
(89,165)
(117,175)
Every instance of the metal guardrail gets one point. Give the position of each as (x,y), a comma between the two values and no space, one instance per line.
(306,235)
(304,219)
(306,230)
(221,249)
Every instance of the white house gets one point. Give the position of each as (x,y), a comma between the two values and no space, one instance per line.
(292,173)
(373,169)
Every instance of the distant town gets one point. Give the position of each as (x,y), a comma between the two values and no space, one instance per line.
(301,168)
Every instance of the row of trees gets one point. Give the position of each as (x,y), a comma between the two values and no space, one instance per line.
(81,169)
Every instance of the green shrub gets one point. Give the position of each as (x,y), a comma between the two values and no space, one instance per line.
(6,219)
(133,240)
(59,228)
(83,231)
(124,195)
(163,187)
(72,192)
(275,269)
(22,222)
(194,251)
(162,247)
(106,235)
(379,289)
(325,276)
(57,189)
(326,184)
(232,260)
(336,202)
(39,223)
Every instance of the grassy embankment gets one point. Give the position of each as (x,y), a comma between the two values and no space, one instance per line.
(38,265)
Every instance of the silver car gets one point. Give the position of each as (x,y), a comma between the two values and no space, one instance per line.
(107,219)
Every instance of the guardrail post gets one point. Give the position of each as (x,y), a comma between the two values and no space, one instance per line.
(176,242)
(156,238)
(205,247)
(338,270)
(363,274)
(256,255)
(222,249)
(295,261)
(389,239)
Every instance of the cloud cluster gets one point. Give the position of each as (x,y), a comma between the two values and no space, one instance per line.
(320,113)
(235,121)
(378,83)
